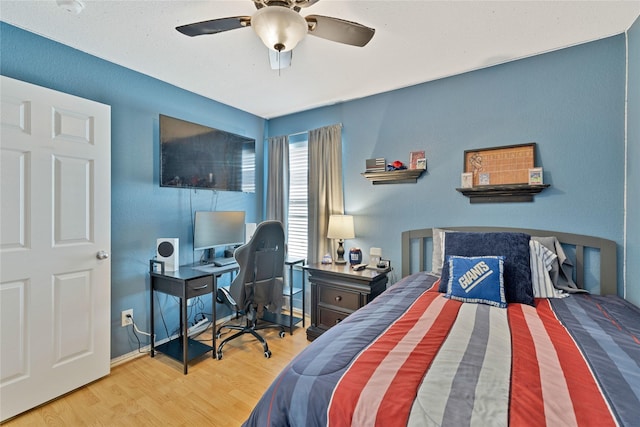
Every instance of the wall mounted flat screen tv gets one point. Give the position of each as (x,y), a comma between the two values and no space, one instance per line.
(197,156)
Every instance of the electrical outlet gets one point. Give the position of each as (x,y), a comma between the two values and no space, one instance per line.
(127,320)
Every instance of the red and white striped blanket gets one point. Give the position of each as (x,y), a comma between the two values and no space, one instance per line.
(415,358)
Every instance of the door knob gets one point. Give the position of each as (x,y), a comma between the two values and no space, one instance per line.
(102,255)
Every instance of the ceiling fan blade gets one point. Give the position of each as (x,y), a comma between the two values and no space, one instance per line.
(214,26)
(339,30)
(305,3)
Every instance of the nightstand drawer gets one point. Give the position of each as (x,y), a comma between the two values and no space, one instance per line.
(199,286)
(330,318)
(339,298)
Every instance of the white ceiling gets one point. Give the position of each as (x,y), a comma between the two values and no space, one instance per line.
(415,41)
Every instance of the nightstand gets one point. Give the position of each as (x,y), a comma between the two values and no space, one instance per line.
(337,291)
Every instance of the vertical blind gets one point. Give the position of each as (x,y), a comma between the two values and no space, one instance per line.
(298,199)
(248,177)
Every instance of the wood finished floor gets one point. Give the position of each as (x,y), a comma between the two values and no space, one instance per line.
(153,391)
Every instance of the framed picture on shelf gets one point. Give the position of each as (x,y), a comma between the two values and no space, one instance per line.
(421,164)
(414,156)
(535,176)
(467,180)
(505,165)
(484,179)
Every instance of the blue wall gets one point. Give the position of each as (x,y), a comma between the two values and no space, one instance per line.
(141,210)
(633,163)
(570,102)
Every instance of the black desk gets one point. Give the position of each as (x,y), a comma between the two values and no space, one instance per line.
(187,282)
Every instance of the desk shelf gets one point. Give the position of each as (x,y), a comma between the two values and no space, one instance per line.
(289,290)
(281,319)
(173,349)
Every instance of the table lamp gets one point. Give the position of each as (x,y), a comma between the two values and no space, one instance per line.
(340,227)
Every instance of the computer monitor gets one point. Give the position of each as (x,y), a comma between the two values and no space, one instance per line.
(217,229)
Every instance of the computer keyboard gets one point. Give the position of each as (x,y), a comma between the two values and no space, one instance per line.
(221,262)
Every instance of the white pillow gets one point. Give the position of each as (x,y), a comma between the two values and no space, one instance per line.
(437,255)
(541,259)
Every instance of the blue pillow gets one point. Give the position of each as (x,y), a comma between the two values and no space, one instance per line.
(513,246)
(477,280)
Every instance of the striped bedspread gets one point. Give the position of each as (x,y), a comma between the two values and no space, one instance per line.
(415,358)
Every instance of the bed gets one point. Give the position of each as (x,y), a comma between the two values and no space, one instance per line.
(471,341)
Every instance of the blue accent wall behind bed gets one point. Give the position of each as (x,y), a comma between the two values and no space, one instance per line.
(570,102)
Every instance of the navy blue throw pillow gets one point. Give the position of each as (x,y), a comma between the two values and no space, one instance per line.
(513,246)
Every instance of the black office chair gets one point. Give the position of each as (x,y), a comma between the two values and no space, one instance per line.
(258,286)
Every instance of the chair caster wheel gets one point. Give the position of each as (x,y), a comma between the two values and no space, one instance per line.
(267,354)
(282,334)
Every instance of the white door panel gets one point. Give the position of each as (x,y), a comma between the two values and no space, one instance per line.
(55,217)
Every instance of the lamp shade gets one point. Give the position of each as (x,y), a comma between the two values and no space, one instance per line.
(279,27)
(340,227)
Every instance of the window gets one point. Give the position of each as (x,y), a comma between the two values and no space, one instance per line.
(298,198)
(248,176)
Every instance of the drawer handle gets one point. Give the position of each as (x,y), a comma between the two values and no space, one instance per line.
(338,298)
(199,287)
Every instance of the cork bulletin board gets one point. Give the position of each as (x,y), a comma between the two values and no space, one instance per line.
(500,165)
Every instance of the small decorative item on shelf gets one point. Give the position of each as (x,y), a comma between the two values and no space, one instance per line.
(535,176)
(396,166)
(355,256)
(483,179)
(414,157)
(421,164)
(375,165)
(467,180)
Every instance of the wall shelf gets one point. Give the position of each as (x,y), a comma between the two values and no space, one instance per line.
(502,193)
(403,176)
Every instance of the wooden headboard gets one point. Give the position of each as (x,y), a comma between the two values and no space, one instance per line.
(607,248)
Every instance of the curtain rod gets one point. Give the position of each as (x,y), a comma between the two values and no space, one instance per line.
(298,133)
(303,132)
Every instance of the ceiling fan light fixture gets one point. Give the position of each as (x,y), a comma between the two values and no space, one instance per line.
(279,27)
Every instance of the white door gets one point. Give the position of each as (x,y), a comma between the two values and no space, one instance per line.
(55,194)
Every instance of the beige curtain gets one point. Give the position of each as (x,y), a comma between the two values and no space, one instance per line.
(325,188)
(278,179)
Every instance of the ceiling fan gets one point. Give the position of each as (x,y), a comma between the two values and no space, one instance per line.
(280,26)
